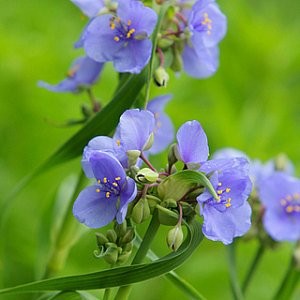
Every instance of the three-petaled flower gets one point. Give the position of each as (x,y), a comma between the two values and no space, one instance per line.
(108,199)
(122,38)
(280,195)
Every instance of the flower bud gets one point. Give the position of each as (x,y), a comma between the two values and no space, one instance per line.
(111,235)
(101,239)
(129,236)
(164,43)
(111,255)
(177,63)
(123,257)
(141,211)
(120,229)
(172,155)
(149,142)
(161,77)
(166,216)
(133,156)
(175,237)
(146,175)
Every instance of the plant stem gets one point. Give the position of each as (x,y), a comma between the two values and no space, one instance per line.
(258,255)
(66,236)
(236,290)
(107,293)
(141,253)
(290,279)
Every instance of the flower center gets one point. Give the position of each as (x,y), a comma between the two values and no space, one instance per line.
(291,203)
(109,188)
(205,24)
(224,200)
(123,30)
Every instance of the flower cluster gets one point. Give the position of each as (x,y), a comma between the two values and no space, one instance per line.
(222,202)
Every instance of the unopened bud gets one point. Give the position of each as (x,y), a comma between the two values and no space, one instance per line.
(164,43)
(120,229)
(111,235)
(141,211)
(175,237)
(177,63)
(133,156)
(172,155)
(146,175)
(123,258)
(101,239)
(111,255)
(166,216)
(129,236)
(149,142)
(161,77)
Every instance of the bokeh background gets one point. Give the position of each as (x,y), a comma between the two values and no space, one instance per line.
(252,103)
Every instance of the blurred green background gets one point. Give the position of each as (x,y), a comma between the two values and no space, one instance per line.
(252,103)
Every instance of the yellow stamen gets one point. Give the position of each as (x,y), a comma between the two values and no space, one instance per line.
(118,142)
(114,184)
(118,178)
(107,194)
(289,209)
(129,22)
(219,184)
(98,190)
(228,190)
(116,38)
(219,192)
(130,33)
(99,181)
(112,25)
(105,180)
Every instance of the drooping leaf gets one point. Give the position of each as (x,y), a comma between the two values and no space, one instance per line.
(119,276)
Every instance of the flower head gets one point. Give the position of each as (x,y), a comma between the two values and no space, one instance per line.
(108,198)
(280,194)
(228,216)
(164,129)
(122,38)
(82,74)
(206,27)
(192,143)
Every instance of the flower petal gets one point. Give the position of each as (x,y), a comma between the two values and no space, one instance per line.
(94,209)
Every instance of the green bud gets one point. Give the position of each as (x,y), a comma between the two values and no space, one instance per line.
(177,64)
(164,43)
(141,36)
(123,258)
(166,216)
(129,236)
(149,142)
(133,156)
(281,162)
(169,203)
(141,211)
(120,229)
(152,201)
(101,239)
(172,155)
(111,235)
(128,247)
(111,255)
(175,238)
(146,175)
(161,77)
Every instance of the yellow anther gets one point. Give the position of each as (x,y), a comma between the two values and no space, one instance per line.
(219,192)
(229,200)
(107,194)
(105,180)
(112,25)
(99,181)
(296,196)
(98,190)
(227,205)
(228,190)
(118,142)
(118,178)
(129,22)
(116,38)
(289,209)
(130,33)
(114,184)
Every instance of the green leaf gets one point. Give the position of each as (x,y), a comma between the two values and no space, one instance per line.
(181,183)
(119,276)
(69,295)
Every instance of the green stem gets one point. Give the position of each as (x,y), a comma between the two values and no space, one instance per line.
(66,236)
(290,280)
(141,253)
(236,290)
(255,262)
(107,293)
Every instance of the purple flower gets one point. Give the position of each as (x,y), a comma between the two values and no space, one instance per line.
(164,129)
(134,132)
(82,74)
(89,7)
(122,39)
(229,215)
(97,205)
(192,143)
(207,26)
(280,194)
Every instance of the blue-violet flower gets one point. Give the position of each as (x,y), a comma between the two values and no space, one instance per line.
(108,199)
(280,195)
(122,38)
